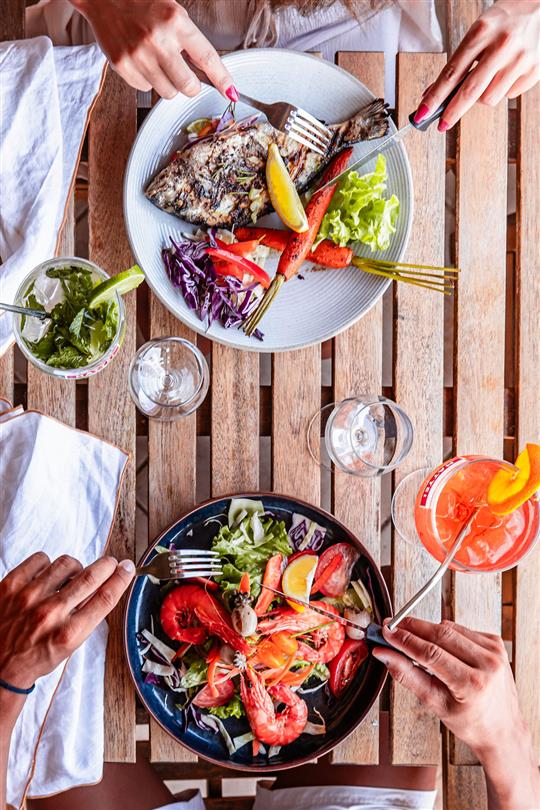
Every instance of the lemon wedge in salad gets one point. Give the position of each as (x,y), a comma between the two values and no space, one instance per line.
(509,489)
(298,579)
(283,194)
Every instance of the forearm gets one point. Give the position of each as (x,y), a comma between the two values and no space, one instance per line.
(10,708)
(511,770)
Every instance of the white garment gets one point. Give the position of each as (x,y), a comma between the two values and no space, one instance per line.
(45,97)
(59,493)
(338,797)
(407,25)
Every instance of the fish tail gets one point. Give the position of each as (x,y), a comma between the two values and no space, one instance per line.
(370,122)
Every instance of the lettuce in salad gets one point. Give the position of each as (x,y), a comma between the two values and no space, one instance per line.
(246,545)
(196,672)
(234,708)
(359,212)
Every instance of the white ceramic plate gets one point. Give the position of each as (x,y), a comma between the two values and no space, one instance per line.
(307,310)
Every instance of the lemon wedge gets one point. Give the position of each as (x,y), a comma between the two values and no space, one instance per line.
(298,579)
(283,194)
(509,489)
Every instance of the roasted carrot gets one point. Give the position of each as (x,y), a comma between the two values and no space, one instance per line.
(326,253)
(299,244)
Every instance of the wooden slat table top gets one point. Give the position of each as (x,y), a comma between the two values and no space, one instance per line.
(224,448)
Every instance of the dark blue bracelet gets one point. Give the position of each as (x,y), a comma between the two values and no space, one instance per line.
(16,689)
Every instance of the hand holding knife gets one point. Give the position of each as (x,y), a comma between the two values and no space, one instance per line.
(422,124)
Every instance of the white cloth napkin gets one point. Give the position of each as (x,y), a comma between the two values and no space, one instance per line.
(46,95)
(59,493)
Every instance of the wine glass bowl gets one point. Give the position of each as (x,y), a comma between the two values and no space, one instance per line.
(365,436)
(168,378)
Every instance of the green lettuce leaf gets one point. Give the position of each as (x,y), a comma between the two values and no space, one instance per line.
(359,212)
(234,708)
(195,674)
(241,552)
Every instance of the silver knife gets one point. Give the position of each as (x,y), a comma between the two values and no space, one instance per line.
(396,136)
(373,632)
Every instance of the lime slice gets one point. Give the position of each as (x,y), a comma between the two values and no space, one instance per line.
(119,284)
(283,194)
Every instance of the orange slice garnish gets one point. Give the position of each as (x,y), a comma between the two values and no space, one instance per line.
(509,489)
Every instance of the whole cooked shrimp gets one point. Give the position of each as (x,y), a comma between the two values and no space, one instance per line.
(267,726)
(189,613)
(327,635)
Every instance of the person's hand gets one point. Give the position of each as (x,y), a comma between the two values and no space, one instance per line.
(504,44)
(470,688)
(48,609)
(143,41)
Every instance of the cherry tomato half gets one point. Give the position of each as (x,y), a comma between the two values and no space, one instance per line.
(346,664)
(224,691)
(338,581)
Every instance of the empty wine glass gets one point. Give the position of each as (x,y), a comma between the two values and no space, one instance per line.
(364,436)
(168,378)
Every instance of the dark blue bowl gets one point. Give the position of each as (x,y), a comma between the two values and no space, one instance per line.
(342,716)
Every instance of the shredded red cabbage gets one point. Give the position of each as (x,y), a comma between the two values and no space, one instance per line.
(191,270)
(306,534)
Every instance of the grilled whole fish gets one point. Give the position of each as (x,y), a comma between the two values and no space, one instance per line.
(221,182)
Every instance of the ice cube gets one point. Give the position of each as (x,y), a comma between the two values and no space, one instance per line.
(48,291)
(34,328)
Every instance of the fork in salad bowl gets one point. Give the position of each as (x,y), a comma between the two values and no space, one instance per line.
(183,563)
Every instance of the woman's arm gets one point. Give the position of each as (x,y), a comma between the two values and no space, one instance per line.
(47,610)
(470,687)
(144,41)
(502,48)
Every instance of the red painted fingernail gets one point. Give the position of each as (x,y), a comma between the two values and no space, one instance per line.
(443,126)
(421,112)
(232,93)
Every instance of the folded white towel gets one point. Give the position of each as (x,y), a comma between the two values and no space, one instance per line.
(59,493)
(46,94)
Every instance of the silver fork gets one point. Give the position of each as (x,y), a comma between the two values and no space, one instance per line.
(183,564)
(294,121)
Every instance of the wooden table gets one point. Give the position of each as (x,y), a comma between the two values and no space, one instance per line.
(468,374)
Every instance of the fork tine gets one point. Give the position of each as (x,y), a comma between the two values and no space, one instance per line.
(299,128)
(301,123)
(310,145)
(193,552)
(314,121)
(197,573)
(190,565)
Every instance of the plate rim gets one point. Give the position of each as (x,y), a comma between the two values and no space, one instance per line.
(365,552)
(258,346)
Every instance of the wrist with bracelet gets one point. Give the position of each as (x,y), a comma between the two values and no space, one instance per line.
(9,687)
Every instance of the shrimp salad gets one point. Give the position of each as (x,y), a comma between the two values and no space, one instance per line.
(240,657)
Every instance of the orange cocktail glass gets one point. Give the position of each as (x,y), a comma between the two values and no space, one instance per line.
(446,499)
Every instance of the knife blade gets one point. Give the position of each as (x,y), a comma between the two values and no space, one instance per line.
(382,147)
(398,135)
(372,633)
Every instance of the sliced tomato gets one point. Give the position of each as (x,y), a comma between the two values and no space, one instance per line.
(346,664)
(224,690)
(326,574)
(272,577)
(338,581)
